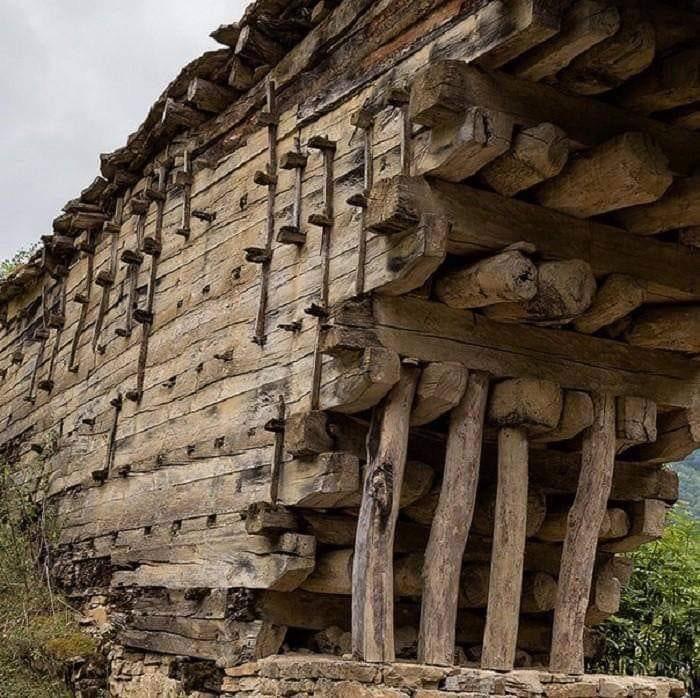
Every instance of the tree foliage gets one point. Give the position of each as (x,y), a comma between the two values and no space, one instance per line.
(657,630)
(7,266)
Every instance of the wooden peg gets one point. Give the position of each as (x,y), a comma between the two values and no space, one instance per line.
(104,278)
(320,220)
(132,257)
(46,385)
(316,310)
(291,235)
(257,255)
(321,143)
(357,200)
(294,326)
(264,179)
(100,476)
(152,247)
(293,160)
(81,298)
(143,317)
(203,215)
(138,206)
(133,395)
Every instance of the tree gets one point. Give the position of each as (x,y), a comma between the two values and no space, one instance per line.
(657,630)
(7,266)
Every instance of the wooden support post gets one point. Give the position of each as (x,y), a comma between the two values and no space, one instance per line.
(270,117)
(85,307)
(372,572)
(450,528)
(295,160)
(578,556)
(325,221)
(518,406)
(103,475)
(134,258)
(278,429)
(47,384)
(105,279)
(183,179)
(364,121)
(399,99)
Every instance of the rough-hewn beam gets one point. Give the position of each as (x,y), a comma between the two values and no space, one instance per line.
(445,89)
(676,328)
(433,332)
(678,435)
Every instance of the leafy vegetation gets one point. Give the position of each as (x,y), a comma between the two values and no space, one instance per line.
(38,631)
(7,266)
(657,630)
(689,477)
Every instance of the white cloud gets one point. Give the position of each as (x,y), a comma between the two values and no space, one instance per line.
(77,77)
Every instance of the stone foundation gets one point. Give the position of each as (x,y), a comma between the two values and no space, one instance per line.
(302,675)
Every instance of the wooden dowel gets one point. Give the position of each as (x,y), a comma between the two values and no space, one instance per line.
(450,528)
(84,309)
(278,453)
(113,228)
(372,573)
(583,527)
(365,122)
(505,583)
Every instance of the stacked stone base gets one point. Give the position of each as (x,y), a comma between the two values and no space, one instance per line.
(305,675)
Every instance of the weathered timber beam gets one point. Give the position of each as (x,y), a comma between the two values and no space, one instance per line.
(671,82)
(451,523)
(433,332)
(615,299)
(444,90)
(678,435)
(676,328)
(678,208)
(636,422)
(226,34)
(576,415)
(440,388)
(208,96)
(372,573)
(648,520)
(615,524)
(583,527)
(586,23)
(484,222)
(627,170)
(177,116)
(517,407)
(616,59)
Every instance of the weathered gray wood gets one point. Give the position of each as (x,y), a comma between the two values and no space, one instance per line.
(576,415)
(648,518)
(208,96)
(676,329)
(636,422)
(440,388)
(306,434)
(583,527)
(678,435)
(450,528)
(616,298)
(627,170)
(586,23)
(372,575)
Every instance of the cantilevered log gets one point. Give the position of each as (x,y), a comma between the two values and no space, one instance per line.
(671,82)
(257,47)
(676,328)
(177,116)
(538,153)
(586,23)
(372,574)
(636,422)
(445,89)
(481,221)
(306,434)
(613,61)
(361,382)
(583,527)
(690,236)
(615,524)
(625,171)
(678,208)
(508,276)
(534,21)
(617,298)
(517,407)
(440,388)
(457,151)
(564,291)
(242,76)
(450,527)
(576,415)
(226,34)
(648,521)
(678,435)
(419,328)
(208,96)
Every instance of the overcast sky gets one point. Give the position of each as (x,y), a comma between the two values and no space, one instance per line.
(76,77)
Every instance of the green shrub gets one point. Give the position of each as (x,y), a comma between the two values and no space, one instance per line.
(657,630)
(7,266)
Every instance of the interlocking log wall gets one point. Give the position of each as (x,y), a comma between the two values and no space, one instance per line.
(172,380)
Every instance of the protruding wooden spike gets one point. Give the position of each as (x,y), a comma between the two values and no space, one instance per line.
(152,247)
(264,179)
(394,205)
(291,235)
(565,290)
(676,328)
(357,200)
(648,521)
(457,151)
(678,435)
(138,206)
(509,276)
(306,434)
(293,160)
(537,154)
(618,297)
(132,257)
(321,143)
(104,278)
(242,76)
(206,216)
(208,96)
(263,518)
(320,220)
(257,255)
(440,388)
(628,170)
(585,24)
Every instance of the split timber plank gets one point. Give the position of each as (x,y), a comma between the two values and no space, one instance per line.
(450,87)
(583,527)
(433,332)
(483,222)
(372,574)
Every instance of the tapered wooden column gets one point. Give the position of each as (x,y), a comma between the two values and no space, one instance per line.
(450,528)
(519,407)
(578,556)
(373,571)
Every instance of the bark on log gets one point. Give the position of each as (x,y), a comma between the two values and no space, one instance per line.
(565,290)
(372,575)
(440,388)
(615,60)
(537,154)
(578,556)
(585,24)
(509,276)
(457,151)
(676,329)
(451,523)
(627,170)
(617,298)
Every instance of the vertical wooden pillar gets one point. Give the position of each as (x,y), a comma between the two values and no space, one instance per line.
(505,583)
(363,120)
(578,556)
(373,569)
(450,527)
